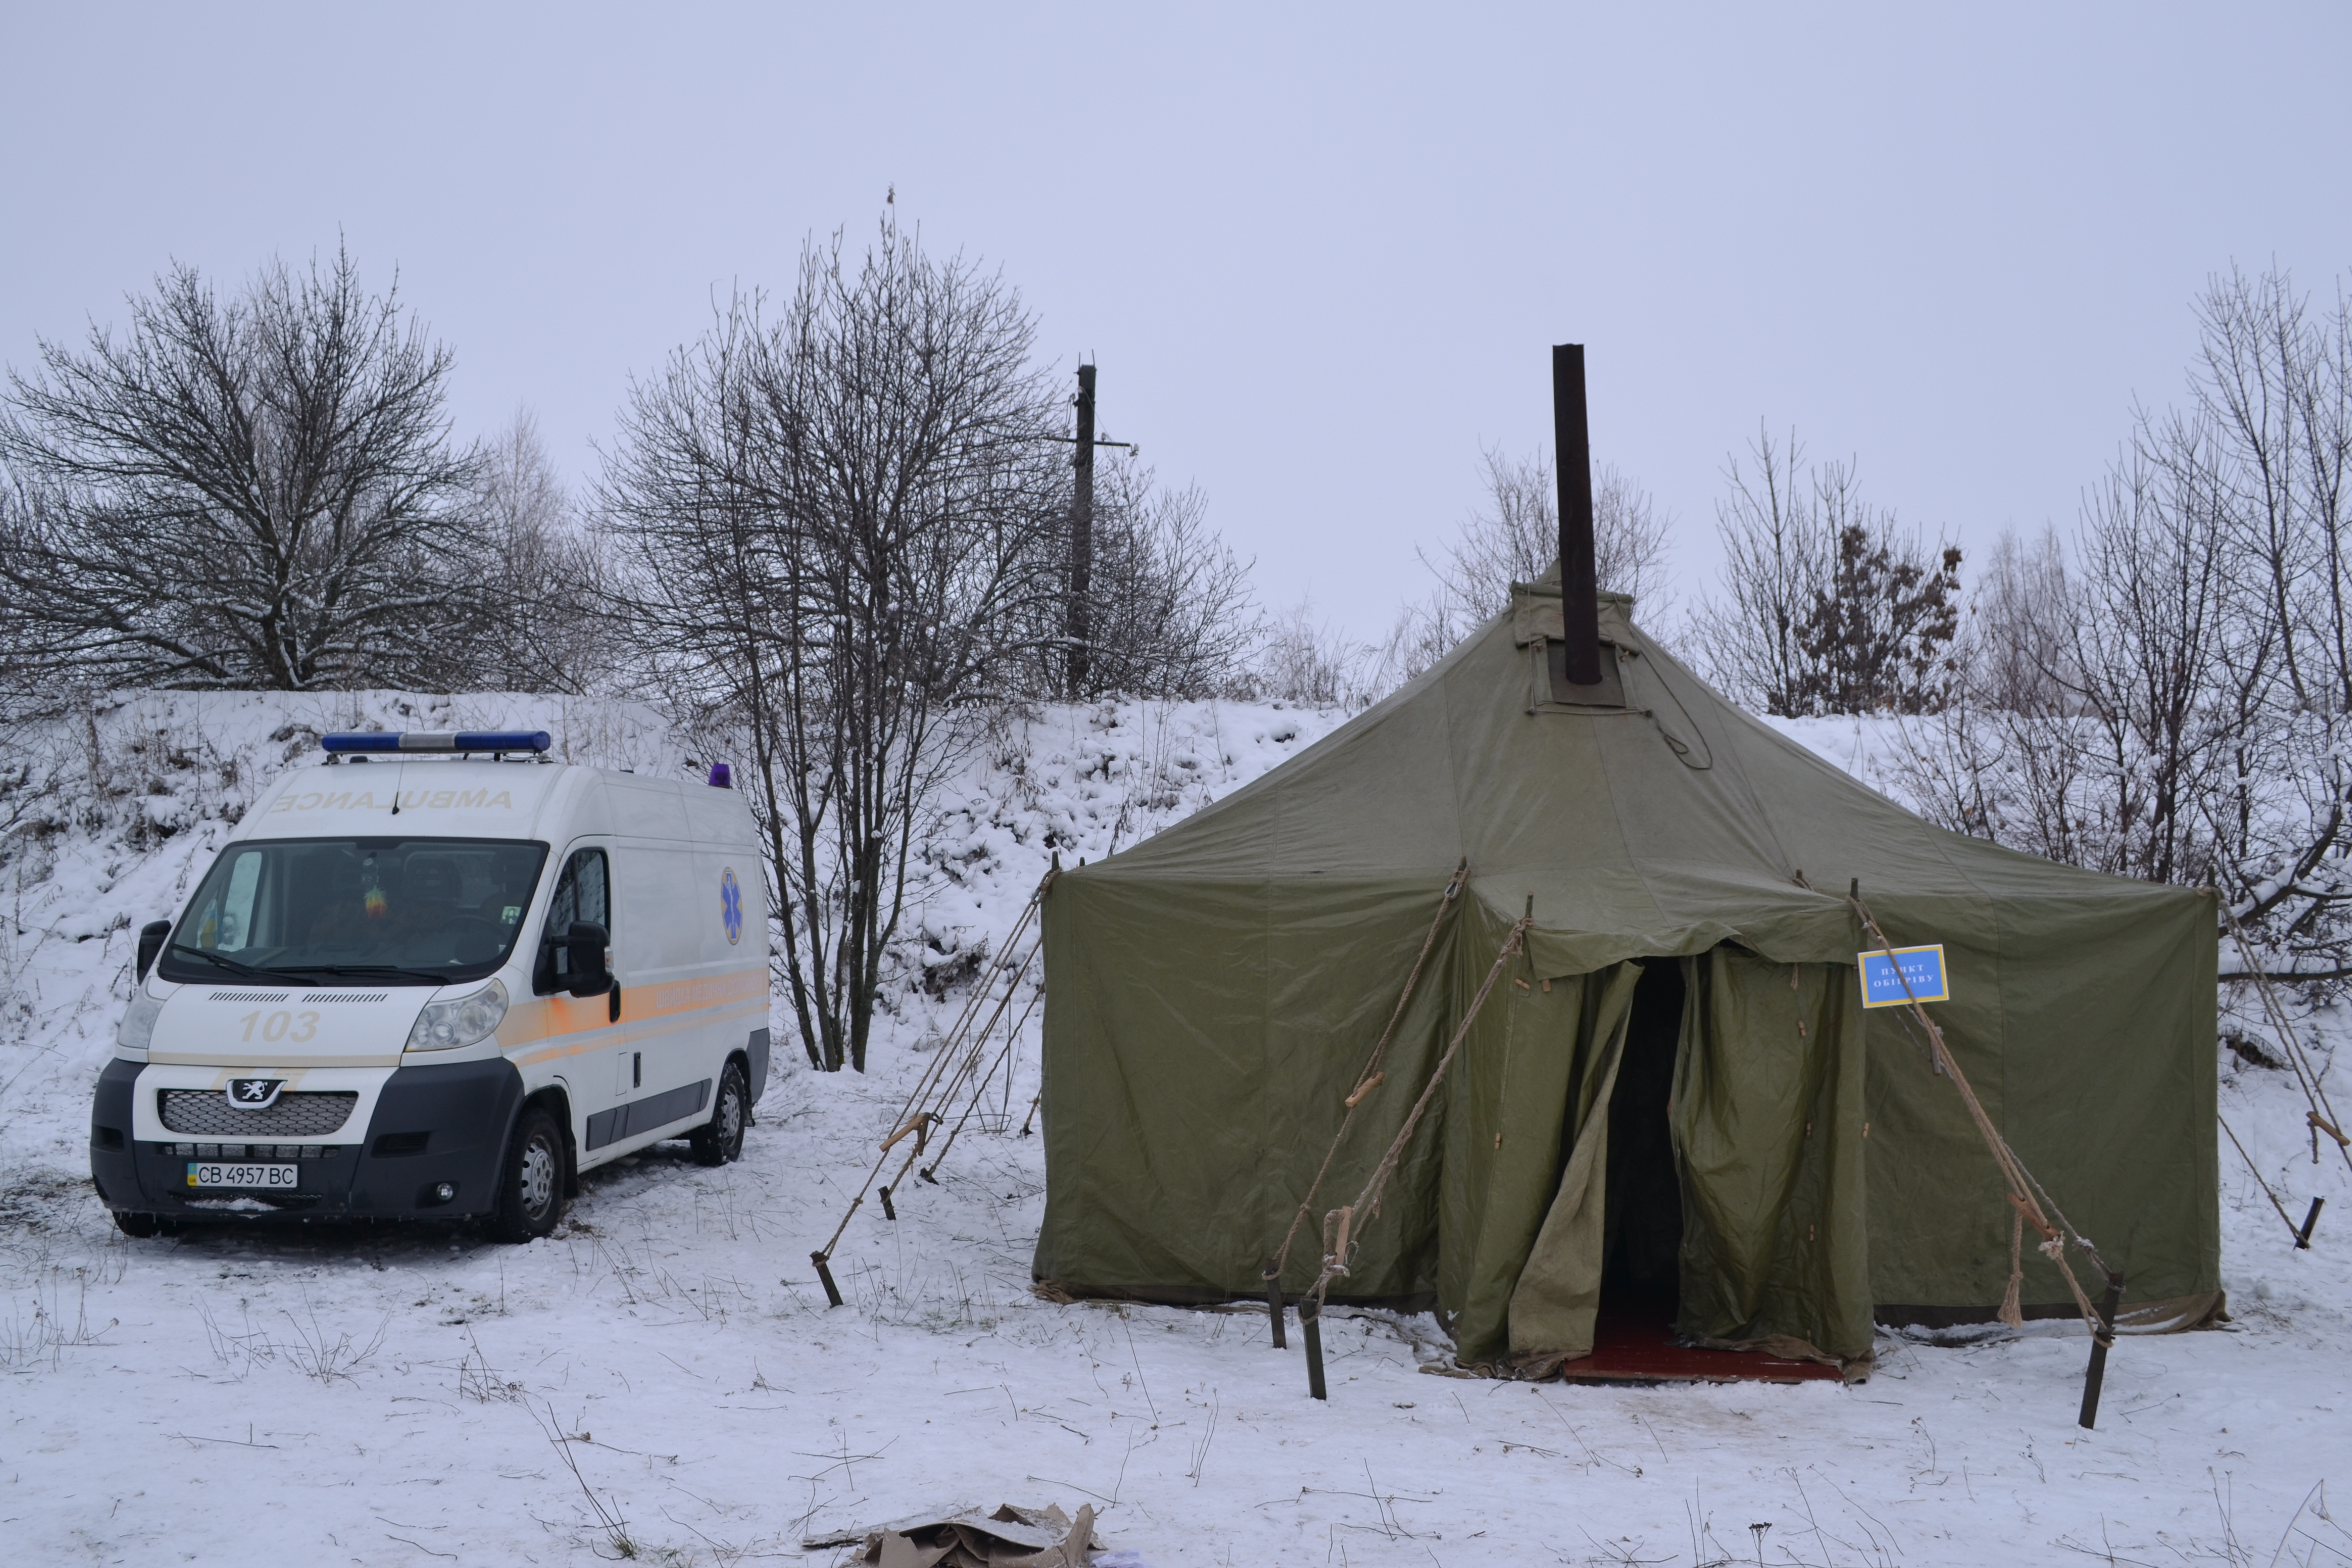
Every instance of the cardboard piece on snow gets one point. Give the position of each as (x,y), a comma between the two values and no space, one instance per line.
(1011,1537)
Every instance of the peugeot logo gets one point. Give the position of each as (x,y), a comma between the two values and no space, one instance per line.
(254,1093)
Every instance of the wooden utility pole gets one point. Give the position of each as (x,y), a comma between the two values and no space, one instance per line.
(1079,630)
(1082,537)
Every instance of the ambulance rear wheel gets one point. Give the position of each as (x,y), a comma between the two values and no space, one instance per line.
(721,1139)
(530,1191)
(141,1225)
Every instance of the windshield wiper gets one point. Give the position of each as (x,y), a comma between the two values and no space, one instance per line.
(233,965)
(377,970)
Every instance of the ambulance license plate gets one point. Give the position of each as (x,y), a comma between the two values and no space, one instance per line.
(222,1173)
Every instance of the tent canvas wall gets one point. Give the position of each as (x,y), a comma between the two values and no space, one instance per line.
(1213,991)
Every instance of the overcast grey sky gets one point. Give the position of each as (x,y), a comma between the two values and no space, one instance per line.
(1318,251)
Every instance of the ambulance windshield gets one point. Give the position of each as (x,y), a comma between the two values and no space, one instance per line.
(356,911)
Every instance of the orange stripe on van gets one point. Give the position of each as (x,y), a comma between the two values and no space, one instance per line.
(638,1034)
(550,1018)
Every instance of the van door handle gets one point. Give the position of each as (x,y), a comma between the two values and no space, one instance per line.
(613,1014)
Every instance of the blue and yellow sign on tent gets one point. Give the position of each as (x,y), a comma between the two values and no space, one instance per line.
(1920,977)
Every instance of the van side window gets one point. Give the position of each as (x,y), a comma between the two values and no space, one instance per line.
(583,893)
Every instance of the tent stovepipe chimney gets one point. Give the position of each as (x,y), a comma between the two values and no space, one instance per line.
(1580,604)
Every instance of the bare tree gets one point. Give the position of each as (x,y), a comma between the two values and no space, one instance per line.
(2173,703)
(1830,607)
(2017,650)
(2151,623)
(1515,537)
(1171,602)
(2272,389)
(256,493)
(2097,718)
(31,698)
(2009,755)
(837,529)
(541,628)
(1777,551)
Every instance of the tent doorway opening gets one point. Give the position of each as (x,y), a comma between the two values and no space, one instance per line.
(1641,1276)
(1634,1338)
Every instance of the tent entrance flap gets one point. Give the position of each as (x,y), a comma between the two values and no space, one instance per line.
(1523,1128)
(1768,1122)
(1616,1211)
(1710,1188)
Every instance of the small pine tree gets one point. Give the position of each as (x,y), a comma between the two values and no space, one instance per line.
(1875,638)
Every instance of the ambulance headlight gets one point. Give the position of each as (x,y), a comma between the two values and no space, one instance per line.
(460,1021)
(138,1025)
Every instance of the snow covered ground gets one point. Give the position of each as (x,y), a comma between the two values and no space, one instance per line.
(662,1377)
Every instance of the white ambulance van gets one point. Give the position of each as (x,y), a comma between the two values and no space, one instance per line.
(421,985)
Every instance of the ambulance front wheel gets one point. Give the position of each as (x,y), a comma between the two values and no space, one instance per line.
(530,1190)
(720,1141)
(140,1225)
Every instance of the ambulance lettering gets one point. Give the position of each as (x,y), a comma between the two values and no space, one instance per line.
(463,800)
(318,800)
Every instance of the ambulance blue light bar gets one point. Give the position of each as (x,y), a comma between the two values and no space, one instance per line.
(463,741)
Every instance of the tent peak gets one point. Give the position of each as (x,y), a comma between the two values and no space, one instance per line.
(1547,587)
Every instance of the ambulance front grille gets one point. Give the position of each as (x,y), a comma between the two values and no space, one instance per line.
(207,1113)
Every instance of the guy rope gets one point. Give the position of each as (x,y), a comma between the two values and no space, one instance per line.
(1340,1235)
(2031,1202)
(2301,1236)
(935,1092)
(2321,1113)
(930,1173)
(1369,1079)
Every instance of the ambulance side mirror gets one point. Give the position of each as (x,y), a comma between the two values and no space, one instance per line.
(585,941)
(152,938)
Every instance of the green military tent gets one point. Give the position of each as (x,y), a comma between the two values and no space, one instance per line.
(1676,1088)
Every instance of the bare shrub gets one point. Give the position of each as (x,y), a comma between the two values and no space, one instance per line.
(1315,665)
(323,1354)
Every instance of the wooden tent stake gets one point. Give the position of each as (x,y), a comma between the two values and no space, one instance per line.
(1273,1273)
(2101,1341)
(824,1273)
(1310,1324)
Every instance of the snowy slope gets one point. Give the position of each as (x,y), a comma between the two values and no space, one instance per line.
(1866,748)
(665,1363)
